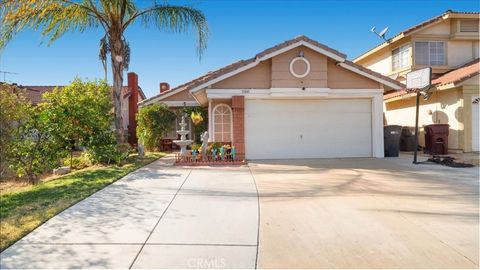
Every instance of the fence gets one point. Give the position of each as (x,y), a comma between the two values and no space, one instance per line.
(210,159)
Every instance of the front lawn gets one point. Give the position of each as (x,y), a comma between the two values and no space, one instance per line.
(23,209)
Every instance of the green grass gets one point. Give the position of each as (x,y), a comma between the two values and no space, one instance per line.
(24,209)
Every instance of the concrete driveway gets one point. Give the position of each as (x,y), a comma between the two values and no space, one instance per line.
(345,213)
(367,213)
(157,217)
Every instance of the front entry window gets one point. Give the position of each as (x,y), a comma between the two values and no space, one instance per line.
(222,123)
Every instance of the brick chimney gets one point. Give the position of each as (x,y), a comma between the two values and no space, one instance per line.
(164,87)
(132,107)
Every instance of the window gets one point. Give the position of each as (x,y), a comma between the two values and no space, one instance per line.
(469,26)
(431,53)
(400,57)
(222,123)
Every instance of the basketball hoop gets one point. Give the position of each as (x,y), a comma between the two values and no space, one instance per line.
(419,81)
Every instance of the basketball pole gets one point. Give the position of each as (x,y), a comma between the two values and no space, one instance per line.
(418,81)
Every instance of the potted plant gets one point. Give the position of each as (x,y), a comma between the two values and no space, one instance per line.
(196,117)
(196,150)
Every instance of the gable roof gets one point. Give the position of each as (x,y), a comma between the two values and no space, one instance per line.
(242,65)
(449,79)
(411,30)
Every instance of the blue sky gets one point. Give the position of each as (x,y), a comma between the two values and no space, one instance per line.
(238,30)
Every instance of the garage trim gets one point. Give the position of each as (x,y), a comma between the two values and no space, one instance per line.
(375,95)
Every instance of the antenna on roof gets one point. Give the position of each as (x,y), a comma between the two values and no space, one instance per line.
(4,72)
(381,34)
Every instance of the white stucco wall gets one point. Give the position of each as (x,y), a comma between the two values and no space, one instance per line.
(441,28)
(460,52)
(440,108)
(476,48)
(381,63)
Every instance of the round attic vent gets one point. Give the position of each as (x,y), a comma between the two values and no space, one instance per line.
(299,67)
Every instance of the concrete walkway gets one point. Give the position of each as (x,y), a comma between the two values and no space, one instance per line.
(157,217)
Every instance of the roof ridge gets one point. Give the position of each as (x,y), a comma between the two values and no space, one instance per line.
(241,62)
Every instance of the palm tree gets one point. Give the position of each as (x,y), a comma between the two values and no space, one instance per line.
(55,17)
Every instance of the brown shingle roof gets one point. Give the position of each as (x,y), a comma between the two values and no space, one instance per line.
(415,27)
(35,92)
(460,74)
(236,65)
(454,77)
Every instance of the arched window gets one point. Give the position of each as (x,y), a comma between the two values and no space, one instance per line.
(222,123)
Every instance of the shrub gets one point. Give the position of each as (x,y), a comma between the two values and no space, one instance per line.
(122,152)
(34,150)
(81,114)
(14,110)
(153,123)
(79,162)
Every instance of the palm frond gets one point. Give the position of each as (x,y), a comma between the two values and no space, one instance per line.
(103,52)
(53,17)
(180,19)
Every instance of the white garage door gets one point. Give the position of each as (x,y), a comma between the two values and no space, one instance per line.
(326,128)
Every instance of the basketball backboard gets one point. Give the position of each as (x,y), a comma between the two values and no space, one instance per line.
(419,79)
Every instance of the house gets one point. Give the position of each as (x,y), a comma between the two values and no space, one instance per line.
(298,99)
(131,95)
(448,43)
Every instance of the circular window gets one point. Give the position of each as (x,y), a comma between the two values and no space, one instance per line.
(299,67)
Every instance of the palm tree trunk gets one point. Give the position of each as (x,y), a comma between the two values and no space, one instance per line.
(117,69)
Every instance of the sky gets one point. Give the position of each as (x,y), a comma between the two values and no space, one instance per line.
(238,30)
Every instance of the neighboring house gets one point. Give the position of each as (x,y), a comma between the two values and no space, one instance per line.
(132,94)
(448,43)
(298,99)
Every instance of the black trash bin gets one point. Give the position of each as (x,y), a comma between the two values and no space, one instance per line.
(407,139)
(391,138)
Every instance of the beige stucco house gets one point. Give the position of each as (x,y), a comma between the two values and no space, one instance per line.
(298,99)
(448,43)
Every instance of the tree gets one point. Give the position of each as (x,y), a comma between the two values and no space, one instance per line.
(153,123)
(80,114)
(31,149)
(55,17)
(14,110)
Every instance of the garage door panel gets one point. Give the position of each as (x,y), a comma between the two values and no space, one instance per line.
(308,128)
